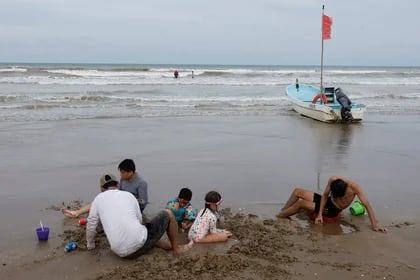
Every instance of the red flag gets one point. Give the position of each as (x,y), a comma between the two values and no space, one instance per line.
(326,27)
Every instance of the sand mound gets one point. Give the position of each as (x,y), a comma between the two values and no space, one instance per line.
(259,253)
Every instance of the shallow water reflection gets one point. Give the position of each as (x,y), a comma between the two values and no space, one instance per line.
(303,220)
(340,227)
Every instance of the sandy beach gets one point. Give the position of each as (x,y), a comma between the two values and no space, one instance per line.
(255,162)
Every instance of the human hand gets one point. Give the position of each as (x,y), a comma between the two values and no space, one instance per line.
(186,224)
(228,233)
(319,220)
(379,229)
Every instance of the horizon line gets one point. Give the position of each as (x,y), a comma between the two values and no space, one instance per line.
(198,64)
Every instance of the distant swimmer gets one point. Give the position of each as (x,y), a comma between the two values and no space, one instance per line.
(176,74)
(192,74)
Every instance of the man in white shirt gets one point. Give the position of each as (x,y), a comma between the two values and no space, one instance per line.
(121,218)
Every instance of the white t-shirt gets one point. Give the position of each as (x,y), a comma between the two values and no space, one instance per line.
(121,219)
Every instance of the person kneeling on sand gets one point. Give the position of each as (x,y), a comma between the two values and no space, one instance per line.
(120,215)
(327,206)
(183,211)
(130,181)
(204,230)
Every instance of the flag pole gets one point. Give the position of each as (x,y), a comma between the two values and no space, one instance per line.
(322,51)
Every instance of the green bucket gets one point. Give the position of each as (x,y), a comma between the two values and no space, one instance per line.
(357,208)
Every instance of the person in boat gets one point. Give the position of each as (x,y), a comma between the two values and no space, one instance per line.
(176,74)
(297,84)
(338,195)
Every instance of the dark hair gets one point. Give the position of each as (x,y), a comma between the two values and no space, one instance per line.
(127,165)
(185,193)
(211,197)
(109,183)
(338,188)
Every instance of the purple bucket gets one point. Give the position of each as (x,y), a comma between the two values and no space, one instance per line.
(43,233)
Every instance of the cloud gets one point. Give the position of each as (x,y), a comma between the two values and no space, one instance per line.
(222,32)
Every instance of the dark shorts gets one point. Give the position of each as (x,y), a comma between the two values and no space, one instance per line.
(155,230)
(330,210)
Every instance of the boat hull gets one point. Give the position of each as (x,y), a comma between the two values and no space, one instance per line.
(301,100)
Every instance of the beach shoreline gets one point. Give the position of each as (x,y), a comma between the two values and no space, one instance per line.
(259,249)
(255,162)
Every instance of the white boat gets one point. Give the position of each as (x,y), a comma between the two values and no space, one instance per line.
(307,101)
(326,104)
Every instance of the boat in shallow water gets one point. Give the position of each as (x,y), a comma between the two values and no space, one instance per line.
(308,101)
(326,104)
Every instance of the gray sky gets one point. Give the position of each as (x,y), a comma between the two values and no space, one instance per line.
(278,32)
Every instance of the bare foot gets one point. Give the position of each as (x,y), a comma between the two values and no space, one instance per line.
(183,248)
(69,213)
(281,216)
(190,244)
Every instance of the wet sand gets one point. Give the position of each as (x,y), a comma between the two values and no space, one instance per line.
(253,161)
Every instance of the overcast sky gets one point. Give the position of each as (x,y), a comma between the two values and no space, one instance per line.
(278,32)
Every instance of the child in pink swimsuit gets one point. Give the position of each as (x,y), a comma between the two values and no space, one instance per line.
(204,228)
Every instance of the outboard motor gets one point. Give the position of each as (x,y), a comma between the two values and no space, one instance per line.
(345,104)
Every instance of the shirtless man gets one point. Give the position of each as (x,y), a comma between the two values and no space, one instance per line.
(342,190)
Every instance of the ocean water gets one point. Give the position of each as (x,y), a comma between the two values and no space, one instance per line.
(88,91)
(248,142)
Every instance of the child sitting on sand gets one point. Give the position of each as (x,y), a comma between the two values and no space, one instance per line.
(204,230)
(183,211)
